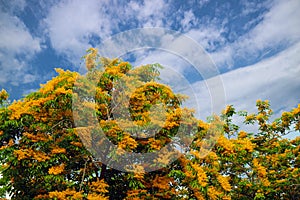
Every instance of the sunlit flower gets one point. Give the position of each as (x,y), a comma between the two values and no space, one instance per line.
(55,170)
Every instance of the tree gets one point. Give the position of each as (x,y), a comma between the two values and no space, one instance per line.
(51,149)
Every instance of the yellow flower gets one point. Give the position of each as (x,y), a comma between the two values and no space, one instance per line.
(242,134)
(198,195)
(3,95)
(296,111)
(260,117)
(245,144)
(66,194)
(129,142)
(98,187)
(161,182)
(265,182)
(77,144)
(21,154)
(55,170)
(77,195)
(203,125)
(39,156)
(18,108)
(250,117)
(213,193)
(201,175)
(228,109)
(94,196)
(224,182)
(57,195)
(155,144)
(262,172)
(58,150)
(226,144)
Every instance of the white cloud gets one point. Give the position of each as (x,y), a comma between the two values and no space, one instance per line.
(210,37)
(280,26)
(149,13)
(275,79)
(71,24)
(17,47)
(250,7)
(188,20)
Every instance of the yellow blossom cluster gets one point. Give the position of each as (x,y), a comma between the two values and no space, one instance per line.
(296,111)
(3,95)
(58,150)
(198,194)
(58,169)
(265,182)
(93,196)
(262,172)
(250,117)
(201,175)
(224,182)
(114,70)
(66,76)
(136,194)
(29,153)
(9,144)
(161,182)
(245,144)
(35,137)
(49,91)
(99,186)
(203,125)
(213,193)
(77,144)
(155,144)
(212,158)
(128,142)
(226,144)
(66,194)
(98,190)
(228,109)
(242,134)
(18,108)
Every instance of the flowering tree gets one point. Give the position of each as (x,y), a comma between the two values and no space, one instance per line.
(47,154)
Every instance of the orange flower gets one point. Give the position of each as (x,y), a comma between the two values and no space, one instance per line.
(201,175)
(242,134)
(155,144)
(224,182)
(213,193)
(3,95)
(55,170)
(262,172)
(21,154)
(58,150)
(129,142)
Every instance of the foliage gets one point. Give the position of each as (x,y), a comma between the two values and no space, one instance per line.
(44,155)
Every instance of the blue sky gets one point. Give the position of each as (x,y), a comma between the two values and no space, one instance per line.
(254,44)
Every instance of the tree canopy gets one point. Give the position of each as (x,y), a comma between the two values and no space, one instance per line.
(50,149)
